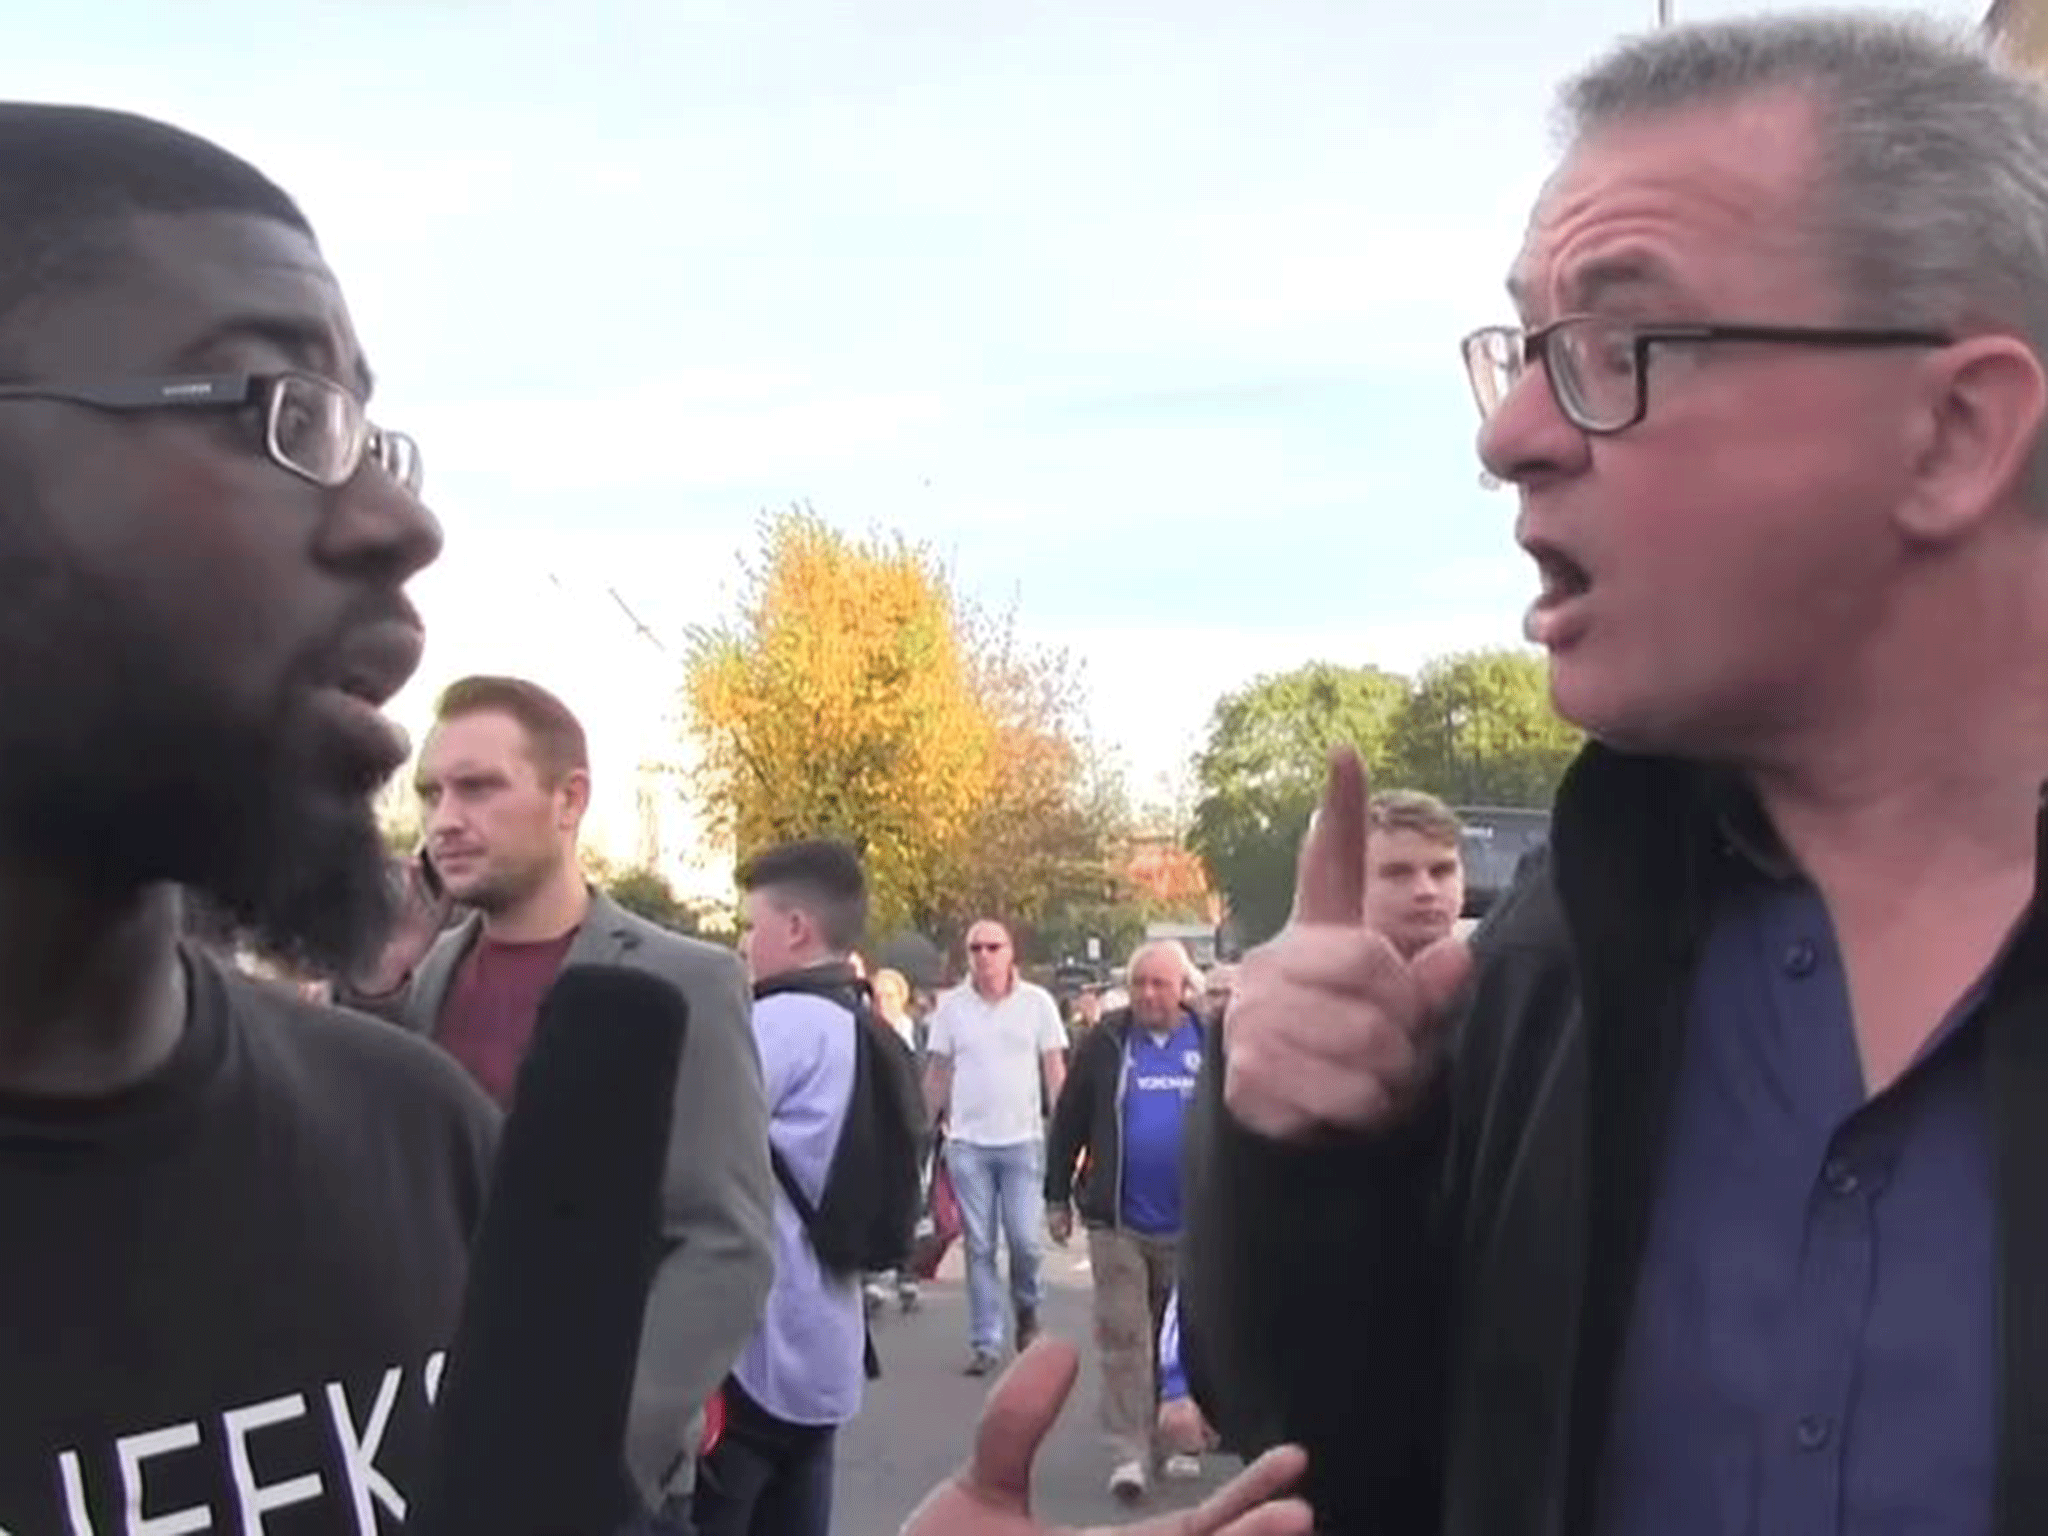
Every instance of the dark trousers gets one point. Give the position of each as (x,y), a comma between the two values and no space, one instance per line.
(767,1477)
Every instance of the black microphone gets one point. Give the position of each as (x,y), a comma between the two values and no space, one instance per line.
(530,1423)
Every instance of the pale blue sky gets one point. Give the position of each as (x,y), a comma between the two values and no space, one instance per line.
(1144,312)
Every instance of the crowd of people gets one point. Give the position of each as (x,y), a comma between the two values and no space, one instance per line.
(1690,1194)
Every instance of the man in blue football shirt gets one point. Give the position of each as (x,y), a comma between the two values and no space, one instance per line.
(1125,1107)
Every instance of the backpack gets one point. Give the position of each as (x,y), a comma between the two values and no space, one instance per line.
(866,1219)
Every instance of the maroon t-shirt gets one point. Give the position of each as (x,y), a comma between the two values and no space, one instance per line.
(492,1005)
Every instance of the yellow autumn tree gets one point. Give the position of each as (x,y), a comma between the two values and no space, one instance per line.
(841,702)
(1043,838)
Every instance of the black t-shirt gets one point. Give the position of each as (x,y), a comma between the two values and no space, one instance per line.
(227,1291)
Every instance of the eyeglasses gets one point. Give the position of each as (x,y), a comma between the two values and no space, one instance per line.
(311,426)
(986,949)
(1599,369)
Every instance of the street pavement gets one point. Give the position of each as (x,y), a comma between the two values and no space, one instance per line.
(918,1421)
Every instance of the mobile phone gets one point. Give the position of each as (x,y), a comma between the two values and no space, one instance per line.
(430,877)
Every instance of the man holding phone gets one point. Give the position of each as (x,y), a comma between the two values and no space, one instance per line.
(504,781)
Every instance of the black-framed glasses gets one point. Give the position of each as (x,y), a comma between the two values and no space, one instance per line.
(312,426)
(1599,368)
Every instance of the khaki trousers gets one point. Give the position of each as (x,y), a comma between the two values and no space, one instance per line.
(1134,1275)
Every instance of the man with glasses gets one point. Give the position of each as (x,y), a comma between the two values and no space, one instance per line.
(1716,1212)
(995,1062)
(237,1221)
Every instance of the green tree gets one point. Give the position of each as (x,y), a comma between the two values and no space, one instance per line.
(1479,729)
(647,893)
(1117,921)
(1260,773)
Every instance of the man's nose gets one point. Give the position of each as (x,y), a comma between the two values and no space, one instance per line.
(1528,435)
(379,526)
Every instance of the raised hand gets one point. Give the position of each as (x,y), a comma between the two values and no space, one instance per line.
(421,912)
(991,1496)
(1330,1028)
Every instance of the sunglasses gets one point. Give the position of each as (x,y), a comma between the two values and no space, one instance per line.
(986,949)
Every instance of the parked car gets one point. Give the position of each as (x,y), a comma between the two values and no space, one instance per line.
(1496,841)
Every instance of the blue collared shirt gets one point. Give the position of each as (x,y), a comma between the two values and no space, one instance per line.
(1812,1350)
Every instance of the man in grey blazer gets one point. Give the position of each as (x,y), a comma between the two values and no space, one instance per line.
(504,780)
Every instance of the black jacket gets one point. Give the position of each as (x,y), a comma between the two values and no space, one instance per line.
(1089,1118)
(1438,1313)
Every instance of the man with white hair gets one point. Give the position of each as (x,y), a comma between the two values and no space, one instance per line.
(1717,1211)
(1125,1107)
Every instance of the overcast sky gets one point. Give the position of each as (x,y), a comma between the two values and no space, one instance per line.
(1145,314)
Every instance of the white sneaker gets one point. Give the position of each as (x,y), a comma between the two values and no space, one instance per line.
(1128,1481)
(1183,1469)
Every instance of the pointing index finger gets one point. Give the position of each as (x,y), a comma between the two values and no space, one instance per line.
(1329,882)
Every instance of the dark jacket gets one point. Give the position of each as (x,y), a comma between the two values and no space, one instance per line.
(1089,1118)
(1438,1313)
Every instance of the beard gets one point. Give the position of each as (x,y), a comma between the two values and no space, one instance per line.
(501,889)
(121,769)
(301,872)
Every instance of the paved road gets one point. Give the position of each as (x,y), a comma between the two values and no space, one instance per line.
(919,1418)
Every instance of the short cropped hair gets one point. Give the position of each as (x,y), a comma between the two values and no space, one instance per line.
(1932,202)
(554,736)
(819,877)
(70,177)
(1410,810)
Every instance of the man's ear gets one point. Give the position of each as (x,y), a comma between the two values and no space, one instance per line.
(575,802)
(1976,428)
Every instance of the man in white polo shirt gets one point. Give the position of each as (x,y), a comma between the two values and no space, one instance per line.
(996,1045)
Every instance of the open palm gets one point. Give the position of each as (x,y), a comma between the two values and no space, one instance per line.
(991,1496)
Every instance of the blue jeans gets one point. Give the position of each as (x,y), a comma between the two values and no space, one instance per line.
(1005,1182)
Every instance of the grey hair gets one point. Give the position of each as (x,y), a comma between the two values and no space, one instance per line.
(1172,949)
(1933,199)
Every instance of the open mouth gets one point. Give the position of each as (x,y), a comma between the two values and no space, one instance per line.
(1557,617)
(1561,577)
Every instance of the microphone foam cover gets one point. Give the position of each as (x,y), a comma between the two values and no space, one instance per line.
(531,1419)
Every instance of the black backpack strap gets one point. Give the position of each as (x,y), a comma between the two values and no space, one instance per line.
(836,981)
(807,1213)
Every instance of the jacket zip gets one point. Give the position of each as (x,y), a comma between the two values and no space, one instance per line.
(1116,1132)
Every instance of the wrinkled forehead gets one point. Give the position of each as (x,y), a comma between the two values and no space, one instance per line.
(1677,211)
(226,292)
(1159,967)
